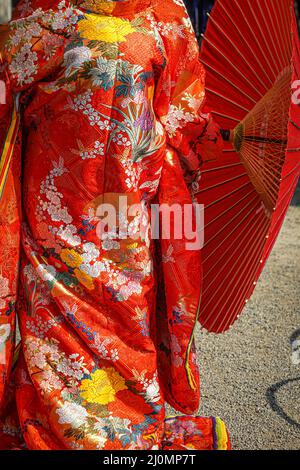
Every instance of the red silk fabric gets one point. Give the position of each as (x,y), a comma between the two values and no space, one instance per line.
(111,107)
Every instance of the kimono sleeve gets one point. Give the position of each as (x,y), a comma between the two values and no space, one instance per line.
(180,104)
(30,51)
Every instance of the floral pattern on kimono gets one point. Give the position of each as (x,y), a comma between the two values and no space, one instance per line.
(112,96)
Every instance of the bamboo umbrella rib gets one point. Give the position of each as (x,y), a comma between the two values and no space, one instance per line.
(275,30)
(258,152)
(222,183)
(254,37)
(225,167)
(249,266)
(228,100)
(224,212)
(205,258)
(279,221)
(276,164)
(225,116)
(230,82)
(265,152)
(218,27)
(228,249)
(264,140)
(266,43)
(260,229)
(229,61)
(251,157)
(231,193)
(267,28)
(267,179)
(243,292)
(267,174)
(242,36)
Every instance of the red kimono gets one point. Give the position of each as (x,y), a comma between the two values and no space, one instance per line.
(110,95)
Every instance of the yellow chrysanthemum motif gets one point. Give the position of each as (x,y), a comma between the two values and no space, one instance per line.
(104,28)
(71,258)
(84,279)
(102,386)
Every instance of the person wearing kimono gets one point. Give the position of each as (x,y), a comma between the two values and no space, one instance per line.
(103,99)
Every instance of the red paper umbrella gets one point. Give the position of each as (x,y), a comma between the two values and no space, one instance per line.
(251,54)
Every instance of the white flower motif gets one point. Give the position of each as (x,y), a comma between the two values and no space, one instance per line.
(167,29)
(73,414)
(93,270)
(46,272)
(91,252)
(37,359)
(50,381)
(194,101)
(75,58)
(4,290)
(108,245)
(104,73)
(68,234)
(130,289)
(83,103)
(23,67)
(93,153)
(152,391)
(65,18)
(25,33)
(177,118)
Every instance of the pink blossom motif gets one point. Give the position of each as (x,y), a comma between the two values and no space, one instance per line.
(130,289)
(184,429)
(51,44)
(50,381)
(4,291)
(139,98)
(2,91)
(126,102)
(24,8)
(176,351)
(24,66)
